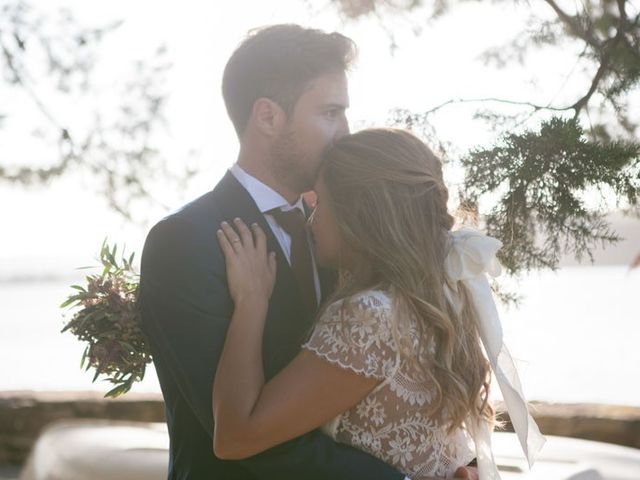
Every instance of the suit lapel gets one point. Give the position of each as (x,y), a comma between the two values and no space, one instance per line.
(288,320)
(239,200)
(242,205)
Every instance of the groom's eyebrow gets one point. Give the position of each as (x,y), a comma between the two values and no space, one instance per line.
(340,106)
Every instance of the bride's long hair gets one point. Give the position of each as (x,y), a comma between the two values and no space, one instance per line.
(389,200)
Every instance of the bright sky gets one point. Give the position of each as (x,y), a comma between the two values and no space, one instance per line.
(53,230)
(67,220)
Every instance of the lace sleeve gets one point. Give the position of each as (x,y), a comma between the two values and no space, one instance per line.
(356,333)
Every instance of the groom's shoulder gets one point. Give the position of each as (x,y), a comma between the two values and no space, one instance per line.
(203,214)
(197,211)
(210,208)
(194,224)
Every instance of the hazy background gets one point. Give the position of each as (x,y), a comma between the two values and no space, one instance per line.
(576,333)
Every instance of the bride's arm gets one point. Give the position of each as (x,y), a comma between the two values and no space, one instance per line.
(249,415)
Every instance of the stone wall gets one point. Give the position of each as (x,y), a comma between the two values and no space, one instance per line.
(24,414)
(602,423)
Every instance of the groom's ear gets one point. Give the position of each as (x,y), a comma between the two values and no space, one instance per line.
(268,117)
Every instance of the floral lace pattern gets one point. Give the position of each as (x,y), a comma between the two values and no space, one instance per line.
(363,334)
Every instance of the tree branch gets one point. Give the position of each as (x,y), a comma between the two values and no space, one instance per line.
(623,12)
(580,104)
(536,107)
(575,26)
(30,92)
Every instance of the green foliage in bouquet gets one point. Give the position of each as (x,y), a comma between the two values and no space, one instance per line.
(108,320)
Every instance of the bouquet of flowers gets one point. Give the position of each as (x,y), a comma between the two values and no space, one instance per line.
(108,320)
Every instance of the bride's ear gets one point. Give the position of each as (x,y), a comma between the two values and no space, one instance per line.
(268,117)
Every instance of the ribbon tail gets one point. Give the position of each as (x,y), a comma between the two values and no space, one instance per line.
(487,468)
(504,368)
(523,423)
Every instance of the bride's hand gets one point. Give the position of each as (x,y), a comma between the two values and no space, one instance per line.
(251,271)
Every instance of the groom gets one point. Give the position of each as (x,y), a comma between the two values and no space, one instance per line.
(285,90)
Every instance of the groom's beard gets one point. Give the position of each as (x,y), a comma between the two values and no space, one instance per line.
(292,165)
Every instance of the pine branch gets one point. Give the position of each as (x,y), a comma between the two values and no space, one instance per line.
(543,175)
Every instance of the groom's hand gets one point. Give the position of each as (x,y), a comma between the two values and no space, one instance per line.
(469,473)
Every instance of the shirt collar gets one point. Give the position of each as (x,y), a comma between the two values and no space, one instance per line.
(265,197)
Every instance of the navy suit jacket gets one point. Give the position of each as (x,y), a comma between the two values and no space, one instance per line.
(186,310)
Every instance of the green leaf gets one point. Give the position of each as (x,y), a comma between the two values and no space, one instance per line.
(68,302)
(117,391)
(128,346)
(84,356)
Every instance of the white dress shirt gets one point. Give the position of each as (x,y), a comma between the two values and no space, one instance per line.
(266,198)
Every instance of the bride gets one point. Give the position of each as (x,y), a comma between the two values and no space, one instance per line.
(400,358)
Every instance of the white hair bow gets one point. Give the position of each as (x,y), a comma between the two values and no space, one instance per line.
(471,256)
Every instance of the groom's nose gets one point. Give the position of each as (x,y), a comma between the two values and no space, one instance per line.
(343,128)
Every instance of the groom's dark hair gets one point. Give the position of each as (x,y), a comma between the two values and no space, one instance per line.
(278,62)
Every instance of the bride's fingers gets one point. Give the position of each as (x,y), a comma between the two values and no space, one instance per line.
(245,233)
(231,236)
(225,245)
(271,260)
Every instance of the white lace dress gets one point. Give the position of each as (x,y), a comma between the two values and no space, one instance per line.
(364,334)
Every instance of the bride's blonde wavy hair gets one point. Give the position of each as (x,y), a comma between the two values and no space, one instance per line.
(389,200)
